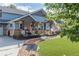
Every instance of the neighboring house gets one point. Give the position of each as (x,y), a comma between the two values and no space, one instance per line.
(14,21)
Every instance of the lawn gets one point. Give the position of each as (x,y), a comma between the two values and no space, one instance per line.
(59,47)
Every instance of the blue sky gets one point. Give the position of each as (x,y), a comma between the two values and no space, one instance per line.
(26,6)
(30,6)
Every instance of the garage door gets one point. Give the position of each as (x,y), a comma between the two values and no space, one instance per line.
(1,31)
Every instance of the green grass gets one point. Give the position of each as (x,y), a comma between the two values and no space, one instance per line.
(59,47)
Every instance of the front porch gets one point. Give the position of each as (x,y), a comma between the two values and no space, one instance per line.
(29,26)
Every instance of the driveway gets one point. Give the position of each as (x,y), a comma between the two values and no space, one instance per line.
(8,41)
(9,46)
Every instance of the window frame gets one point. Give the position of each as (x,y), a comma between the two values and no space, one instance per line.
(11,25)
(21,26)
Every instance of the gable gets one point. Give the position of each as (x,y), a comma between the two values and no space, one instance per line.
(39,13)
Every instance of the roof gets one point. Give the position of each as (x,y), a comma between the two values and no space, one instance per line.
(40,11)
(13,10)
(8,17)
(35,17)
(39,18)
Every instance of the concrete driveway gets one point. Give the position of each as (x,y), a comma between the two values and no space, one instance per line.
(9,46)
(8,41)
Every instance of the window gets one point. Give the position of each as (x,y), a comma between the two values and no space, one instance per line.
(0,13)
(16,25)
(41,26)
(38,26)
(48,26)
(21,26)
(10,25)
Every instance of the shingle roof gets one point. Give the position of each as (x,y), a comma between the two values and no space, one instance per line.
(39,18)
(9,16)
(23,14)
(12,10)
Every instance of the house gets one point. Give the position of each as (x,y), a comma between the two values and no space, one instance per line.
(13,22)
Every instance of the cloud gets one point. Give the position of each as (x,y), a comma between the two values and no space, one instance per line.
(22,7)
(26,8)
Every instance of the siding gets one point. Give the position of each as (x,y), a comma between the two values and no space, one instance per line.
(9,16)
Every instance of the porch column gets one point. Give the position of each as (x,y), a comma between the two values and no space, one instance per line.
(44,28)
(14,26)
(30,27)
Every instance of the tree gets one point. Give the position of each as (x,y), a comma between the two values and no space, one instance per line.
(12,6)
(70,13)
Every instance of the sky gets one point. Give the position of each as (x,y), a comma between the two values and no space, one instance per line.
(26,6)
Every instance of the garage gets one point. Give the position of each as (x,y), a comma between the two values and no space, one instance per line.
(1,31)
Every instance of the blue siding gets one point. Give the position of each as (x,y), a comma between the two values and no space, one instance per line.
(9,16)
